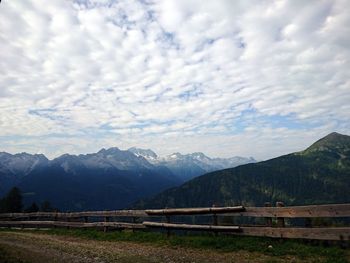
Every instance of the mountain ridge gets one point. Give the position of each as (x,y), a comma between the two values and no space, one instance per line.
(316,175)
(108,179)
(188,166)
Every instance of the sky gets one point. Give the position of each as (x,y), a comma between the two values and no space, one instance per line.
(249,78)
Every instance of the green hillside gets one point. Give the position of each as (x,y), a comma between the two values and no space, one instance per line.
(320,174)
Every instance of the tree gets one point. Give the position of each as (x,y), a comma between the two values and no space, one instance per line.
(32,208)
(12,203)
(46,207)
(2,206)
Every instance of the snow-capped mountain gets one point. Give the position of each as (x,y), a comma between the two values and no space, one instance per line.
(20,164)
(14,167)
(109,179)
(148,154)
(104,159)
(188,166)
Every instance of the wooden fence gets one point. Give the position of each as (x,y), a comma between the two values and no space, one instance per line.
(276,220)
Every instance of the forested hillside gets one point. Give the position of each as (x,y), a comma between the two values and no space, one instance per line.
(319,174)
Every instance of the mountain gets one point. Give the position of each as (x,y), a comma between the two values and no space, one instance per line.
(108,179)
(21,163)
(14,167)
(104,159)
(148,154)
(333,142)
(319,174)
(191,165)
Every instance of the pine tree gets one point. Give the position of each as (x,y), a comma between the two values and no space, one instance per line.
(12,203)
(46,207)
(32,208)
(2,206)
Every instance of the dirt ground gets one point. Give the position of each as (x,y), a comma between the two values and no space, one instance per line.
(37,247)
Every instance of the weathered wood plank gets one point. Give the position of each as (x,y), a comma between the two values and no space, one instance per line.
(191,227)
(333,210)
(194,211)
(72,224)
(280,220)
(268,220)
(329,233)
(335,233)
(121,213)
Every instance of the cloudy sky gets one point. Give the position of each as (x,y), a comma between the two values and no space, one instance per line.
(250,78)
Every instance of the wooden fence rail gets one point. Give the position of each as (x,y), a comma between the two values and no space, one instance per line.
(145,219)
(195,211)
(337,210)
(114,213)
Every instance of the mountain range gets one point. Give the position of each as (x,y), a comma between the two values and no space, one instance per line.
(320,174)
(188,166)
(109,179)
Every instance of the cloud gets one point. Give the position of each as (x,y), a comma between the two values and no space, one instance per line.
(173,75)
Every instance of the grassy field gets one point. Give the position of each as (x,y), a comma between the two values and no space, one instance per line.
(266,249)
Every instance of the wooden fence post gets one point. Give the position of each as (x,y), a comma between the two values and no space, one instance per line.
(37,226)
(56,219)
(85,220)
(268,220)
(280,220)
(215,220)
(134,222)
(105,228)
(168,230)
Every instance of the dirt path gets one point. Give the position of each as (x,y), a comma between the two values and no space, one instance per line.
(36,247)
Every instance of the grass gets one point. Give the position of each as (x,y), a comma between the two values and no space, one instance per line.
(8,255)
(223,243)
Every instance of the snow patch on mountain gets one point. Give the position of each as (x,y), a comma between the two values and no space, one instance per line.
(187,166)
(20,164)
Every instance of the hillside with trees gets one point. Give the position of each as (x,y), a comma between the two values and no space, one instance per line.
(318,175)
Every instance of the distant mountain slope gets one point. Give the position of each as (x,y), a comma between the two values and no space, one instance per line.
(14,167)
(188,166)
(109,179)
(93,189)
(148,154)
(320,174)
(20,164)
